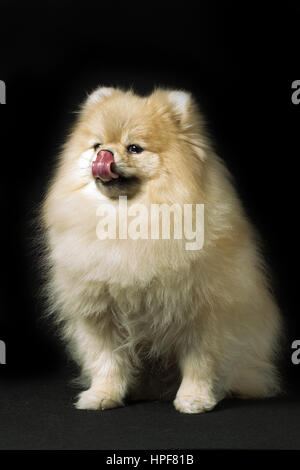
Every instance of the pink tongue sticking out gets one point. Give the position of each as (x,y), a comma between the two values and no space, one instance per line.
(101,166)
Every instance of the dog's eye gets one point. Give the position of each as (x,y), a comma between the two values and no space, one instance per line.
(134,148)
(96,146)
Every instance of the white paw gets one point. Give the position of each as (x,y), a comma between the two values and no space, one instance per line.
(191,404)
(94,399)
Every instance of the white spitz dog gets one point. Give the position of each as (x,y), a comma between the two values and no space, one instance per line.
(148,317)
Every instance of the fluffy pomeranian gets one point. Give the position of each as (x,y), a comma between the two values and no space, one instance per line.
(146,317)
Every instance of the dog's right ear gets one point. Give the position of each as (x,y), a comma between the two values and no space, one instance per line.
(97,96)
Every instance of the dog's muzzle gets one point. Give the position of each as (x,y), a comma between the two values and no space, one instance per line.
(102,166)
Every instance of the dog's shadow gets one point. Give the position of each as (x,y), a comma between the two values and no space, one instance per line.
(225,404)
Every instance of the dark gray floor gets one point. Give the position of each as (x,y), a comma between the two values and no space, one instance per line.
(37,413)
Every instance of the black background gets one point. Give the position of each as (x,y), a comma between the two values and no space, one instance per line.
(238,60)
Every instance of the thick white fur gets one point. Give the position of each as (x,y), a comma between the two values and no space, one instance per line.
(124,304)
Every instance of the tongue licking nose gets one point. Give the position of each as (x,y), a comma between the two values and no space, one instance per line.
(101,166)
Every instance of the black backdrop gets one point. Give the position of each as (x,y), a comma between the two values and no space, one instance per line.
(239,61)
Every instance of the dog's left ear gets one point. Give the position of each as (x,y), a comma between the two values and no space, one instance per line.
(182,105)
(186,113)
(181,102)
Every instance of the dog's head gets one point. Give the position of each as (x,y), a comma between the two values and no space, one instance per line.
(129,143)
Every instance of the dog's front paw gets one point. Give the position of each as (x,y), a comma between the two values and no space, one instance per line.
(94,399)
(194,404)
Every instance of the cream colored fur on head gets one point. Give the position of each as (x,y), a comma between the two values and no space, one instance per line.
(200,323)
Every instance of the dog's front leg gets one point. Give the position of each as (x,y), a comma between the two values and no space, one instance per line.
(96,345)
(196,393)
